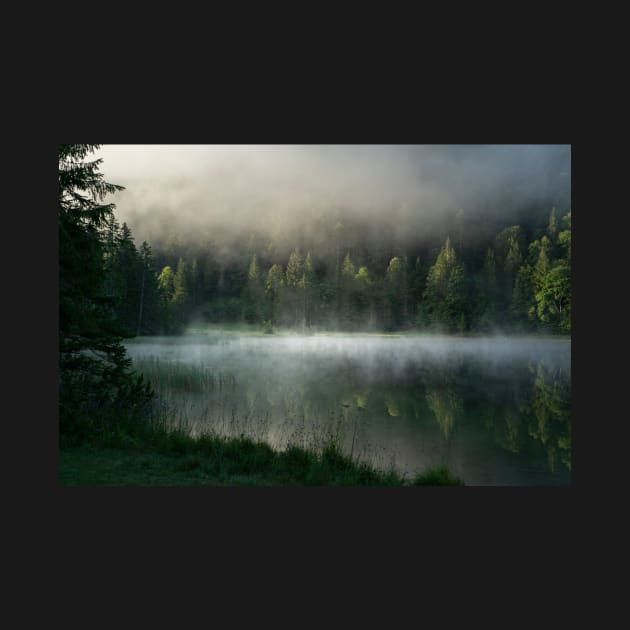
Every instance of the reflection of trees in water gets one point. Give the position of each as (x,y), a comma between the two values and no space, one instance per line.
(444,399)
(446,406)
(519,407)
(510,437)
(522,410)
(502,413)
(393,408)
(549,412)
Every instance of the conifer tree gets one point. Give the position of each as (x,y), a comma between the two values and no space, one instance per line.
(445,293)
(294,274)
(273,288)
(254,298)
(95,374)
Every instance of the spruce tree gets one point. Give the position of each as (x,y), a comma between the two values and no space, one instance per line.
(444,299)
(293,277)
(96,382)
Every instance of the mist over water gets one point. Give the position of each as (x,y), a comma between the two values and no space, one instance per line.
(494,409)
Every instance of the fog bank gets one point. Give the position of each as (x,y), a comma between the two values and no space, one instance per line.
(224,191)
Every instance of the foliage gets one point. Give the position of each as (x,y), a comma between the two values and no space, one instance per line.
(445,293)
(508,282)
(95,375)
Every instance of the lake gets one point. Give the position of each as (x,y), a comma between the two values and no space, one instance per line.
(495,410)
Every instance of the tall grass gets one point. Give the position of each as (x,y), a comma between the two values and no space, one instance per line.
(196,404)
(175,376)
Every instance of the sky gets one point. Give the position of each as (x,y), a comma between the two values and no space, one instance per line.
(229,189)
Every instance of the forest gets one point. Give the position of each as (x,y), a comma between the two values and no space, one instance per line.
(518,280)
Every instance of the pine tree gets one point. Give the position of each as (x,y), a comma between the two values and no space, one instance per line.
(273,291)
(181,293)
(445,293)
(194,283)
(95,374)
(509,248)
(148,307)
(294,269)
(363,295)
(514,257)
(522,307)
(543,265)
(294,274)
(490,288)
(395,288)
(346,288)
(166,286)
(306,286)
(564,238)
(254,312)
(416,283)
(128,281)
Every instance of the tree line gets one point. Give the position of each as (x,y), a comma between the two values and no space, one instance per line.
(511,283)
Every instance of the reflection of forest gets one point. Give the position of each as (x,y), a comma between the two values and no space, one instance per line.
(549,413)
(524,410)
(444,398)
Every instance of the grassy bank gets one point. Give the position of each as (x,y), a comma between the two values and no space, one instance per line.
(160,457)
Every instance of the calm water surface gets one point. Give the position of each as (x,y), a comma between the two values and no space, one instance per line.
(495,410)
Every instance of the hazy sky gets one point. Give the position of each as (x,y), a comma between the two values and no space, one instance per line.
(234,188)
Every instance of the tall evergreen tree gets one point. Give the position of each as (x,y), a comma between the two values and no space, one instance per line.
(255,291)
(364,299)
(294,274)
(95,374)
(394,293)
(445,293)
(148,307)
(306,286)
(522,308)
(273,291)
(166,286)
(346,288)
(489,290)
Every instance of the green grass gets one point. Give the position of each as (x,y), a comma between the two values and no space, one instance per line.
(93,466)
(438,476)
(160,457)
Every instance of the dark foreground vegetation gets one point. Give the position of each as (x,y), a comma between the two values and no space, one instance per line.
(158,456)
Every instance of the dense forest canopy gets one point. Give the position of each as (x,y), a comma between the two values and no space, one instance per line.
(513,282)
